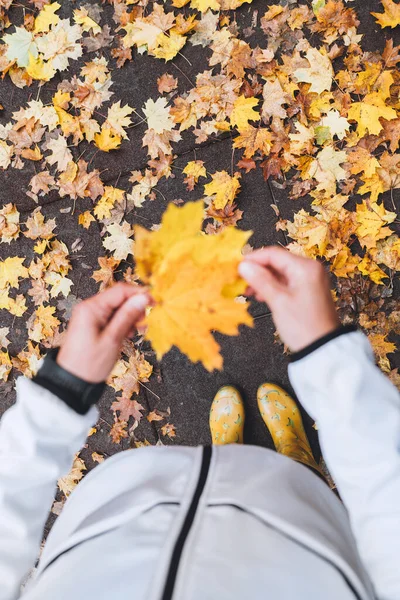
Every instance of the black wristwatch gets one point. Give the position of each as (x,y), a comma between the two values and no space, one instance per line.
(77,393)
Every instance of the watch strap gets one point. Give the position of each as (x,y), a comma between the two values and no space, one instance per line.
(77,393)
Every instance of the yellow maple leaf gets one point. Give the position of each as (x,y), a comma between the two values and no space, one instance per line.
(253,139)
(11,270)
(18,306)
(243,112)
(194,170)
(168,46)
(223,188)
(82,18)
(204,5)
(372,219)
(5,365)
(39,69)
(194,281)
(44,323)
(368,267)
(368,112)
(107,140)
(70,481)
(107,201)
(391,15)
(373,185)
(47,17)
(85,219)
(381,348)
(9,223)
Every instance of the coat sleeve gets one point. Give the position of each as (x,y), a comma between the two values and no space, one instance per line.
(357,411)
(39,436)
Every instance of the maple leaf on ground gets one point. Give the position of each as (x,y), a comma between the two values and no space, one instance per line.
(198,296)
(243,112)
(118,431)
(28,361)
(47,17)
(106,203)
(382,347)
(37,227)
(9,223)
(254,139)
(158,115)
(118,118)
(42,182)
(61,154)
(166,83)
(96,457)
(86,219)
(372,219)
(369,112)
(11,270)
(6,154)
(107,140)
(5,365)
(169,430)
(391,15)
(20,45)
(193,171)
(223,188)
(274,99)
(319,74)
(128,408)
(4,341)
(105,275)
(68,483)
(120,240)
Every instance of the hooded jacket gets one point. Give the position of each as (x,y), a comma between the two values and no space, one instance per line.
(179,523)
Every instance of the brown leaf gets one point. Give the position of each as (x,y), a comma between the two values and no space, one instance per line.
(169,430)
(128,408)
(166,83)
(118,431)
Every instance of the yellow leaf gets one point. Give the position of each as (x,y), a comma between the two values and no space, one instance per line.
(204,5)
(194,170)
(47,17)
(223,188)
(368,112)
(85,219)
(9,223)
(82,18)
(32,154)
(372,219)
(370,268)
(69,482)
(253,139)
(119,241)
(372,185)
(44,323)
(38,69)
(11,270)
(106,140)
(5,365)
(168,46)
(391,15)
(106,203)
(243,112)
(193,279)
(18,306)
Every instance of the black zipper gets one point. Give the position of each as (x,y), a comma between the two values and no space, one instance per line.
(187,524)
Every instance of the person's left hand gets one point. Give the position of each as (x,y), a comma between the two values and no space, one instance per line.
(97,329)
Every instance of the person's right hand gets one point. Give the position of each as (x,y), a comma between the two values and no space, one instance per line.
(296,290)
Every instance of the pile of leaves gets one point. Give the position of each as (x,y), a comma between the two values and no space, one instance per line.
(306,105)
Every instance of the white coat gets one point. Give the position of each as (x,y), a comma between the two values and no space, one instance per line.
(227,522)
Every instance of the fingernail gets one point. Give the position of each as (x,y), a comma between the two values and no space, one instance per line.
(139,301)
(246,269)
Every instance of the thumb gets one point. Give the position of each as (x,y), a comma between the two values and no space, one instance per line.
(131,311)
(261,280)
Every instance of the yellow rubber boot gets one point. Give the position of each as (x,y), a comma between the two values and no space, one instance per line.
(227,417)
(283,419)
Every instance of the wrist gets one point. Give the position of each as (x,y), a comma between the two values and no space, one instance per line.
(321,341)
(77,393)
